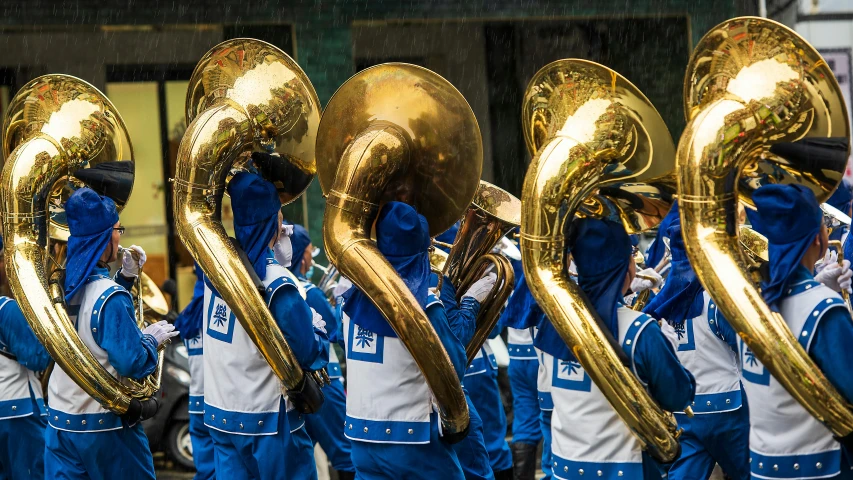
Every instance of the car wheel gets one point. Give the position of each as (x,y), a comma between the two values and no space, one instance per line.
(178,444)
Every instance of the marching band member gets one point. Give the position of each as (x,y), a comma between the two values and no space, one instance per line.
(189,322)
(256,432)
(84,439)
(587,434)
(390,416)
(523,373)
(785,441)
(480,383)
(22,413)
(719,431)
(324,427)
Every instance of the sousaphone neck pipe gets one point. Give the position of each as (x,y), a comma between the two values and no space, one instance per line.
(548,204)
(29,172)
(212,141)
(352,206)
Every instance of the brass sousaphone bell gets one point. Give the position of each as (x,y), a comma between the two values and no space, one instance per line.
(763,107)
(57,131)
(398,132)
(602,150)
(245,95)
(493,214)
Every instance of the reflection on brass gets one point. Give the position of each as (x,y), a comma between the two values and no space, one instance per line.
(492,214)
(55,127)
(398,132)
(756,94)
(600,149)
(244,95)
(754,245)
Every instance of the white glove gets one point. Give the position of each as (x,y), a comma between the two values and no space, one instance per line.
(828,259)
(641,284)
(844,280)
(830,275)
(283,248)
(481,288)
(341,287)
(670,334)
(130,266)
(318,321)
(161,331)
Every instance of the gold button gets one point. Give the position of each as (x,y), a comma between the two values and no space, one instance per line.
(628,342)
(68,422)
(796,466)
(599,473)
(819,465)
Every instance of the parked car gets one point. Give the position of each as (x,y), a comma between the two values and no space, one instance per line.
(169,430)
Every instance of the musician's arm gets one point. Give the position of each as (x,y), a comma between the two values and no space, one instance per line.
(21,340)
(657,364)
(114,329)
(294,318)
(831,350)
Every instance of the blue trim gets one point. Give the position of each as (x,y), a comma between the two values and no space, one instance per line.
(575,377)
(482,364)
(716,402)
(275,285)
(634,331)
(783,466)
(19,407)
(196,403)
(386,431)
(365,337)
(545,401)
(83,422)
(295,420)
(572,470)
(689,344)
(748,358)
(242,423)
(713,322)
(801,287)
(98,307)
(521,351)
(432,300)
(807,333)
(334,370)
(192,352)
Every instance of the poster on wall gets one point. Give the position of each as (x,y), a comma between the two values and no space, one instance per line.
(838,60)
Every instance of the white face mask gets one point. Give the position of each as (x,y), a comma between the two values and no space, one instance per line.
(283,251)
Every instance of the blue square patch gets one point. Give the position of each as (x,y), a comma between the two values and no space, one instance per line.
(751,368)
(364,345)
(220,319)
(570,375)
(685,336)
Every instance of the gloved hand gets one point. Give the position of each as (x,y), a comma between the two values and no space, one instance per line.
(830,275)
(130,266)
(641,284)
(670,334)
(283,248)
(161,331)
(318,321)
(828,259)
(844,280)
(481,288)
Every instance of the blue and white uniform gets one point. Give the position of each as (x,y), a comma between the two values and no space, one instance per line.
(719,429)
(481,383)
(546,407)
(256,431)
(189,323)
(391,417)
(523,372)
(324,427)
(785,441)
(22,413)
(588,436)
(81,432)
(718,433)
